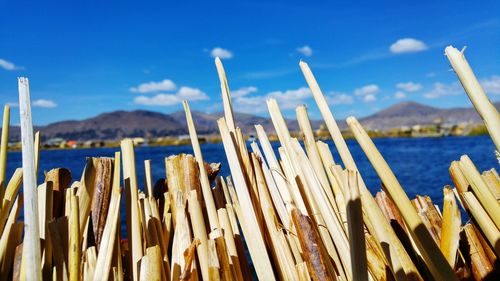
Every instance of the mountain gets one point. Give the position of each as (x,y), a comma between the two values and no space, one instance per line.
(413,113)
(141,123)
(111,126)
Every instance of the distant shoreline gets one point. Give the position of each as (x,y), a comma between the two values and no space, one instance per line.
(217,142)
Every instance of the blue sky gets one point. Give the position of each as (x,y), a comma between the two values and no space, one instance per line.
(89,57)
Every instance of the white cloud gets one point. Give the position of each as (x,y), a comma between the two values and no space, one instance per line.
(221,53)
(244,91)
(369,98)
(407,45)
(370,89)
(192,94)
(44,103)
(7,65)
(288,99)
(441,90)
(339,98)
(305,50)
(158,100)
(184,93)
(409,86)
(400,95)
(491,85)
(165,85)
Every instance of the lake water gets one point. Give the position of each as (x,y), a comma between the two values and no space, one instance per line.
(420,164)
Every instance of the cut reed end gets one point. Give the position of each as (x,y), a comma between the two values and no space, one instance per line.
(221,121)
(465,158)
(126,142)
(303,63)
(449,49)
(351,120)
(220,69)
(452,51)
(271,101)
(301,109)
(22,80)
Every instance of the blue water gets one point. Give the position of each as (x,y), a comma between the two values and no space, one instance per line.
(420,164)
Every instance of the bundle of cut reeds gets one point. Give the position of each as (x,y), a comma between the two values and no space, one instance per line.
(291,215)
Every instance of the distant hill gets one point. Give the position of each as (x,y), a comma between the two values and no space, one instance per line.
(413,113)
(141,123)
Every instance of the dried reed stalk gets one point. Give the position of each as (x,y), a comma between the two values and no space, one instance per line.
(10,194)
(432,256)
(101,197)
(226,96)
(151,265)
(400,262)
(357,243)
(4,145)
(85,191)
(333,225)
(8,240)
(181,241)
(148,179)
(205,184)
(480,189)
(480,265)
(286,190)
(493,182)
(476,94)
(313,153)
(31,249)
(133,216)
(483,220)
(250,224)
(108,250)
(450,233)
(199,232)
(45,196)
(213,262)
(283,255)
(74,241)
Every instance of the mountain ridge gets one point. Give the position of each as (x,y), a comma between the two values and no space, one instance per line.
(143,123)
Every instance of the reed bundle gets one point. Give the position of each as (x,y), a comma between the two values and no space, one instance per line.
(302,216)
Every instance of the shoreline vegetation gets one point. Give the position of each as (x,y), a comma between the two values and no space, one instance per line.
(422,132)
(291,215)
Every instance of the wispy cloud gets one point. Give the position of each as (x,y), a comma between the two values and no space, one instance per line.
(305,50)
(440,90)
(371,56)
(221,53)
(400,95)
(334,98)
(244,91)
(267,74)
(491,85)
(367,92)
(162,99)
(409,86)
(151,87)
(7,65)
(288,99)
(408,45)
(44,103)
